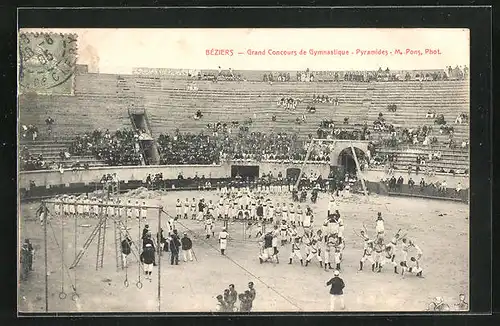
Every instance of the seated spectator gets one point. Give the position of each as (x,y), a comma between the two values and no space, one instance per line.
(430,114)
(29,162)
(462,118)
(346,120)
(446,129)
(198,115)
(465,144)
(440,120)
(392,107)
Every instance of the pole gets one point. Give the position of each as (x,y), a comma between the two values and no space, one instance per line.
(45,211)
(159,260)
(359,170)
(304,163)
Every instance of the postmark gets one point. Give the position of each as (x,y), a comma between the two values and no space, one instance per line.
(47,62)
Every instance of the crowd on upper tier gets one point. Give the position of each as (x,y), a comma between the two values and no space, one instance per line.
(119,148)
(189,148)
(458,72)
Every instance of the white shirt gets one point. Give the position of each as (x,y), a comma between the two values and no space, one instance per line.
(223,235)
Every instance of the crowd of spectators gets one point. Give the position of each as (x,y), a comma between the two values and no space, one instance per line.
(188,148)
(29,162)
(328,130)
(449,73)
(29,132)
(325,99)
(381,125)
(260,146)
(279,77)
(120,148)
(227,302)
(220,75)
(288,103)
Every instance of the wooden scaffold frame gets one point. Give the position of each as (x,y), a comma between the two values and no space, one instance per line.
(98,231)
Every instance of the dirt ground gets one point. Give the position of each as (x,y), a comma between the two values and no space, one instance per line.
(193,286)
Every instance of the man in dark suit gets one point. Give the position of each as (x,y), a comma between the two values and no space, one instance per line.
(175,246)
(336,290)
(148,257)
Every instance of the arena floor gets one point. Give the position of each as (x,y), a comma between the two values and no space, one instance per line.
(193,286)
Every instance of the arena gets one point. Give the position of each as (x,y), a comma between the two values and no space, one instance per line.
(377,159)
(280,287)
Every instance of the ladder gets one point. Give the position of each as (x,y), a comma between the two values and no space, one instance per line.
(118,242)
(359,170)
(88,242)
(133,248)
(101,241)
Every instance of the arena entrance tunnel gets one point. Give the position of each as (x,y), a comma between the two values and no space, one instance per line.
(346,159)
(249,172)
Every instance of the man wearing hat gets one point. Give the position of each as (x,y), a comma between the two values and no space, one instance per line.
(223,236)
(27,253)
(187,248)
(336,290)
(148,256)
(175,246)
(145,231)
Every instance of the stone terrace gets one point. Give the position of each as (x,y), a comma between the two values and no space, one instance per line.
(101,101)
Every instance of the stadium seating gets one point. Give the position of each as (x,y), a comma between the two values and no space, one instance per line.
(50,149)
(102,101)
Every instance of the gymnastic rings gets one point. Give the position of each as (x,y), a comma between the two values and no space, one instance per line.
(75,296)
(62,295)
(126,283)
(139,284)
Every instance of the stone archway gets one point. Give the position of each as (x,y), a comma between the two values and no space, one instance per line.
(345,159)
(340,146)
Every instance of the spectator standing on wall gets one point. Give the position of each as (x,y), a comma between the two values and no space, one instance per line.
(49,122)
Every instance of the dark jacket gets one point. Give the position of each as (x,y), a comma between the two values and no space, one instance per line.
(268,241)
(148,255)
(126,246)
(337,285)
(260,210)
(175,245)
(148,241)
(186,243)
(144,232)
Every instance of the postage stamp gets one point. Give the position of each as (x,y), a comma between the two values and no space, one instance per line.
(47,62)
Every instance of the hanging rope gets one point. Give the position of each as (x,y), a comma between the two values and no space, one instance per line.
(75,295)
(124,261)
(62,294)
(234,262)
(139,283)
